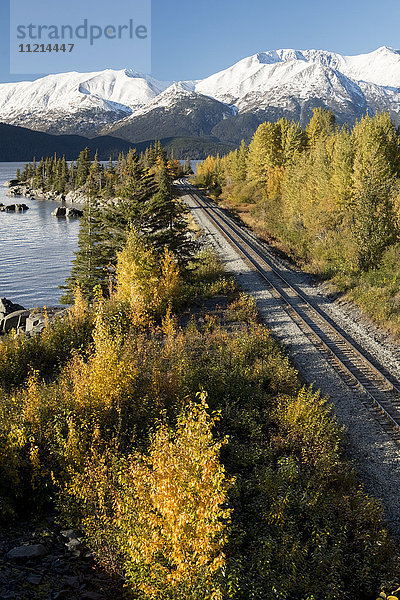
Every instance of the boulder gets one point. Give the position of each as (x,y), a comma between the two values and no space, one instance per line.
(76,197)
(7,307)
(15,320)
(74,213)
(14,208)
(11,183)
(27,552)
(36,321)
(65,211)
(60,211)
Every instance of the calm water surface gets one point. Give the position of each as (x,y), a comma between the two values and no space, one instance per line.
(36,249)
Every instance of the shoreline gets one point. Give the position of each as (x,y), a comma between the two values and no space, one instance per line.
(17,189)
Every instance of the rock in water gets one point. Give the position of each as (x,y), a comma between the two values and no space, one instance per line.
(64,211)
(74,213)
(60,211)
(14,208)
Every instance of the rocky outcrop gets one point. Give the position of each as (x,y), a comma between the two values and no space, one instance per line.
(40,317)
(66,211)
(13,208)
(7,307)
(22,189)
(15,321)
(76,197)
(14,317)
(11,182)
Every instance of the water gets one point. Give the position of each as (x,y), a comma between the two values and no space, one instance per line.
(36,249)
(193,164)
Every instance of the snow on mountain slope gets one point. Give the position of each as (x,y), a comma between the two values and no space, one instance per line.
(381,67)
(168,98)
(176,112)
(303,82)
(126,89)
(105,96)
(266,71)
(277,82)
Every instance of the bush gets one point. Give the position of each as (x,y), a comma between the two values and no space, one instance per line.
(45,353)
(160,518)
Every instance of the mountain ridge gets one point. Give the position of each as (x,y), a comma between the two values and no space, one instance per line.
(222,107)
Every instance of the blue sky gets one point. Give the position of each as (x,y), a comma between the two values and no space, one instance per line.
(192,39)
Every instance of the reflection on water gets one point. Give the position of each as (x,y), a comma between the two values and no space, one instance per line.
(36,249)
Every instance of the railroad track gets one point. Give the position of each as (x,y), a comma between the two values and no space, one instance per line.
(381,389)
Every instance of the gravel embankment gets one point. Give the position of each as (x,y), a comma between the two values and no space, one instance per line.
(374,454)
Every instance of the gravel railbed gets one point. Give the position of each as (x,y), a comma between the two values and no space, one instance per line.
(378,344)
(374,454)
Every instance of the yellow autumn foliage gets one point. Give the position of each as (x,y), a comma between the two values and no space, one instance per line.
(167,515)
(146,284)
(104,377)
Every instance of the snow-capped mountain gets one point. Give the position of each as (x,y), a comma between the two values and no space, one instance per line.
(272,78)
(76,102)
(176,112)
(223,107)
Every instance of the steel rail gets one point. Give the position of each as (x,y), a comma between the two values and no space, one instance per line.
(235,235)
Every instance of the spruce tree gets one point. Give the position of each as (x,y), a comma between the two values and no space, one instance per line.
(83,165)
(89,268)
(129,207)
(110,177)
(165,218)
(187,167)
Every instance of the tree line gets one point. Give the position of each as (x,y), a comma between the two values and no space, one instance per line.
(136,191)
(328,194)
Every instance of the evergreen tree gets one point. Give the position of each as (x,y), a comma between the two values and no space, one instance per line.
(129,207)
(110,180)
(89,268)
(94,179)
(187,167)
(165,217)
(83,167)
